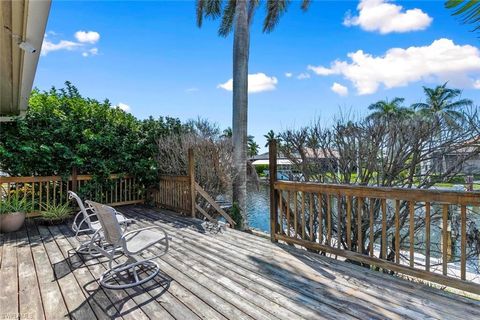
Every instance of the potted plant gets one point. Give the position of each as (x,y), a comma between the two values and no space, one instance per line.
(55,214)
(12,212)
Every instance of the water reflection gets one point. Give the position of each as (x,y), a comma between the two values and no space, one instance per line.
(258,207)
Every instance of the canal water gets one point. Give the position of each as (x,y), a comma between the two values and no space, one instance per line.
(258,207)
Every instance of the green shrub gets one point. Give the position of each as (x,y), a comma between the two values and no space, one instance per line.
(15,204)
(236,216)
(56,213)
(261,168)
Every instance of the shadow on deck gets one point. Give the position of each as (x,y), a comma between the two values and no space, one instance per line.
(230,275)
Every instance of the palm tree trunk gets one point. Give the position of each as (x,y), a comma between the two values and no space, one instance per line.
(241,48)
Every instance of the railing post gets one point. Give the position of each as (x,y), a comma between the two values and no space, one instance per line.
(272,169)
(74,179)
(191,180)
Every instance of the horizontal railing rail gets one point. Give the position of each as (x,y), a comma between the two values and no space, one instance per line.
(46,191)
(419,233)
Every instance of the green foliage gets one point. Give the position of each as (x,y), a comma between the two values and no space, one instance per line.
(236,215)
(15,204)
(225,10)
(467,10)
(261,168)
(63,130)
(56,213)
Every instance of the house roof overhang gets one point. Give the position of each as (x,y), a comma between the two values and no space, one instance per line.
(20,20)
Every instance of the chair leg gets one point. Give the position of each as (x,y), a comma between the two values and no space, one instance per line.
(132,267)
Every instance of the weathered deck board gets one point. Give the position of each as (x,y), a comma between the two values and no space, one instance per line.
(351,307)
(30,300)
(419,297)
(230,275)
(49,289)
(128,305)
(8,277)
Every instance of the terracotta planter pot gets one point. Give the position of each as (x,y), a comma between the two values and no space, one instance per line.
(12,221)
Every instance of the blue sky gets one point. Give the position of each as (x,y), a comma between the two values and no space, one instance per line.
(151,57)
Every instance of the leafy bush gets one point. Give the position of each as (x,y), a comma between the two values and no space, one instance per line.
(15,204)
(236,215)
(63,130)
(56,213)
(261,168)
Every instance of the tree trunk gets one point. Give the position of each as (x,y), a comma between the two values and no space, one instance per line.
(241,48)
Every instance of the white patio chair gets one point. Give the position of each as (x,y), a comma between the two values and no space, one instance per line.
(137,269)
(88,225)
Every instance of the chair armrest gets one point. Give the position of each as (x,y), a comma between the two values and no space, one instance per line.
(81,222)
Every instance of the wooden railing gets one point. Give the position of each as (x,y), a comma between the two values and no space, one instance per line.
(179,193)
(174,193)
(408,231)
(52,190)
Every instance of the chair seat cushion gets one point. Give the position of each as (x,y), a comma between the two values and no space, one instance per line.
(137,241)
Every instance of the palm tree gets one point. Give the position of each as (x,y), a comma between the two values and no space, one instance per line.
(270,136)
(237,16)
(388,110)
(468,10)
(227,133)
(253,148)
(442,105)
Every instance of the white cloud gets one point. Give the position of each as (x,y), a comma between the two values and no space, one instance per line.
(48,46)
(386,17)
(476,84)
(321,71)
(443,60)
(193,89)
(257,82)
(91,52)
(87,36)
(124,107)
(84,40)
(339,89)
(288,74)
(303,76)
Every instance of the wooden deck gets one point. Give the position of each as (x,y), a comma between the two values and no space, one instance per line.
(230,275)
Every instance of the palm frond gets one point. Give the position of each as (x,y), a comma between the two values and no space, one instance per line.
(213,8)
(460,104)
(305,4)
(275,9)
(200,8)
(419,106)
(467,10)
(226,26)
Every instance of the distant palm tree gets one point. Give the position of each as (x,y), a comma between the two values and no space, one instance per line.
(442,105)
(237,15)
(270,136)
(253,148)
(469,10)
(388,110)
(227,133)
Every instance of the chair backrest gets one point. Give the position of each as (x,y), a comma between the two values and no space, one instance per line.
(73,195)
(108,220)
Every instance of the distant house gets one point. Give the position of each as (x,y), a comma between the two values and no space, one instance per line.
(327,161)
(471,166)
(264,159)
